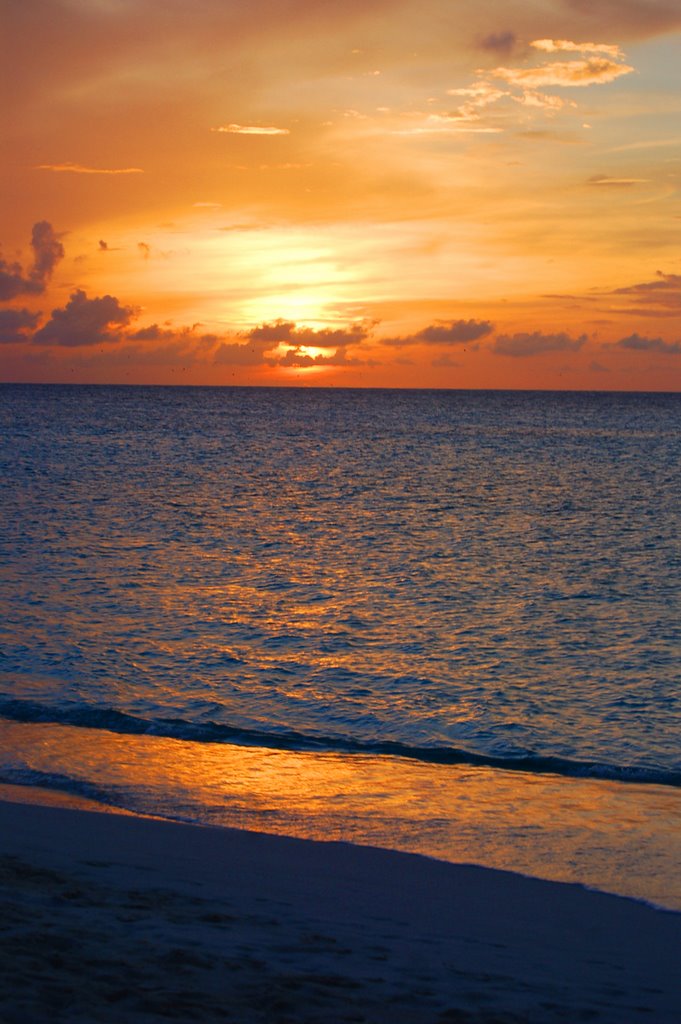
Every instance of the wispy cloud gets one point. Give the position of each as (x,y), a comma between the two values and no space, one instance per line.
(434,124)
(604,181)
(572,73)
(664,293)
(565,46)
(482,100)
(251,129)
(81,169)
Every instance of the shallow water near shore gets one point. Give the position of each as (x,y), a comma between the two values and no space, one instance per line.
(623,839)
(445,622)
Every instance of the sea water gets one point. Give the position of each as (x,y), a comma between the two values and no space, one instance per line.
(441,621)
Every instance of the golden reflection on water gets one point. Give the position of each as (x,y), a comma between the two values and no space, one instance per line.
(621,838)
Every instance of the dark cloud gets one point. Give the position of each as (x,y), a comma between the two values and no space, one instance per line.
(524,344)
(182,338)
(85,321)
(636,343)
(151,333)
(280,330)
(14,323)
(499,43)
(286,331)
(47,251)
(298,357)
(13,282)
(456,332)
(249,353)
(261,339)
(664,291)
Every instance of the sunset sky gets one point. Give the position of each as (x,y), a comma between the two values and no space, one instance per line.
(368,192)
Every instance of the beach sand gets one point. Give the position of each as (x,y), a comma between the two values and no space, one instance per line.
(108,917)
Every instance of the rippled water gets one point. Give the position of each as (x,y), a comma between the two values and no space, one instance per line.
(484,578)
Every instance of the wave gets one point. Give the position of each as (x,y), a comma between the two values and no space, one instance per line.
(15,776)
(111,720)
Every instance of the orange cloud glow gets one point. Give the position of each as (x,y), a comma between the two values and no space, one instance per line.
(436,195)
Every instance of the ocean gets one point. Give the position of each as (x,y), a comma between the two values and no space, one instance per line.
(438,621)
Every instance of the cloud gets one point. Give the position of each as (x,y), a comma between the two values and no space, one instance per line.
(635,343)
(85,321)
(14,323)
(664,291)
(249,353)
(80,169)
(280,330)
(151,333)
(573,73)
(13,282)
(269,336)
(47,251)
(565,46)
(600,63)
(297,357)
(445,362)
(540,100)
(603,181)
(286,331)
(499,42)
(144,249)
(177,337)
(524,344)
(456,332)
(444,123)
(250,129)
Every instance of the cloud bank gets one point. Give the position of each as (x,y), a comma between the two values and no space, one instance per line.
(635,343)
(14,325)
(456,332)
(85,321)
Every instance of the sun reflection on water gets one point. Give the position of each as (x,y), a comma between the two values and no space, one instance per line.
(600,833)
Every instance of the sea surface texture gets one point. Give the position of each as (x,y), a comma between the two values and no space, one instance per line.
(448,580)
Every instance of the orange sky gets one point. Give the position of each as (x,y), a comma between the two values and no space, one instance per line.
(373,193)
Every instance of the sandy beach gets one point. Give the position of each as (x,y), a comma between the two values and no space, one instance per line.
(109,917)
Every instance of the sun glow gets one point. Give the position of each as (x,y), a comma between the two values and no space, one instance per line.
(312,352)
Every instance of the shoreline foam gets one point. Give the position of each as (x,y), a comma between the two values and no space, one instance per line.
(116,918)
